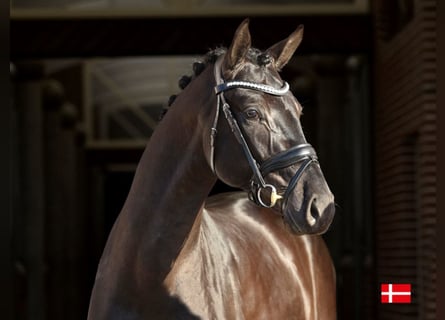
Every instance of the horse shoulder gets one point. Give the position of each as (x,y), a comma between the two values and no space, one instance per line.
(240,262)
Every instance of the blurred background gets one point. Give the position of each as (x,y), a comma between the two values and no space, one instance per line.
(91,77)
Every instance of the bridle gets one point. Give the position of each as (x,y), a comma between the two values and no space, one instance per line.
(302,153)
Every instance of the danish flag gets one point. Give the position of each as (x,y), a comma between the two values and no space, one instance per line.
(395,293)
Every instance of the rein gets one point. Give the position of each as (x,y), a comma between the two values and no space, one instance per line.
(304,153)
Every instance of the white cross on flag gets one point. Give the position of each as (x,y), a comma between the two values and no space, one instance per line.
(395,293)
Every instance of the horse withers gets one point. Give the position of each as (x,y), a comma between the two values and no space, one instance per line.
(250,256)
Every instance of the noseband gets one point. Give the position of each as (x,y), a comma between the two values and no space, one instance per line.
(302,153)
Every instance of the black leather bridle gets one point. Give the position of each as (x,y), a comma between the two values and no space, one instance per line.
(302,153)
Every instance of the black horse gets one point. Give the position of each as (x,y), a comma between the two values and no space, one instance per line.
(236,121)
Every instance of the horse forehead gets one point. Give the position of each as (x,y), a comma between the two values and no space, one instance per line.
(285,110)
(271,77)
(250,71)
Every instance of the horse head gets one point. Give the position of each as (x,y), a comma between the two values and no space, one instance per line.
(260,146)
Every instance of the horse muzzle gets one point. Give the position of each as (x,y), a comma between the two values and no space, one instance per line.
(313,217)
(307,212)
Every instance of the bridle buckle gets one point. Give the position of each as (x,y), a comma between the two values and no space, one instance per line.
(274,196)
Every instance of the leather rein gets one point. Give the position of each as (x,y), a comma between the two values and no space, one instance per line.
(303,153)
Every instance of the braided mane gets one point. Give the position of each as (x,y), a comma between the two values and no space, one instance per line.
(254,55)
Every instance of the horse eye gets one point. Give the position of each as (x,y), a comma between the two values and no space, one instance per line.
(251,113)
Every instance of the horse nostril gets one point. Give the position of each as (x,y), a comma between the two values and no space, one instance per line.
(313,213)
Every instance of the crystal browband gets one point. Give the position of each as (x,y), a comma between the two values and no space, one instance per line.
(253,86)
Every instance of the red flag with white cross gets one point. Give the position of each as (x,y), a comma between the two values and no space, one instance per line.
(395,293)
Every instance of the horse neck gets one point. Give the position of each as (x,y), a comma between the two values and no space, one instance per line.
(173,178)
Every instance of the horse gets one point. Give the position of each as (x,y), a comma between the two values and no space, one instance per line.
(241,262)
(174,253)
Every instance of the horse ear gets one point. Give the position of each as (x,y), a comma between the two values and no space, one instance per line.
(238,49)
(284,50)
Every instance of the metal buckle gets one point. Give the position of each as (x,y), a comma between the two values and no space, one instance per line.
(274,196)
